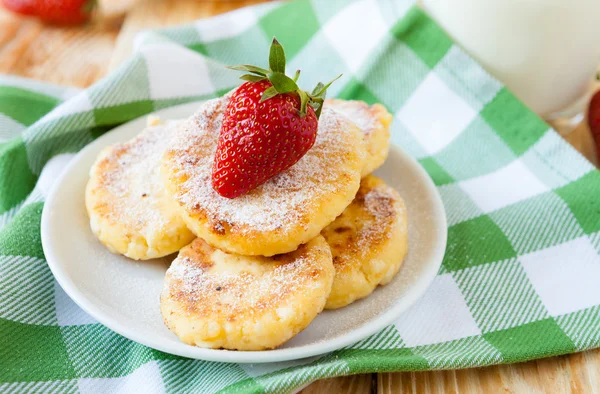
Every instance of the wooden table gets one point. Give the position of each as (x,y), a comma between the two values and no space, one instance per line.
(79,56)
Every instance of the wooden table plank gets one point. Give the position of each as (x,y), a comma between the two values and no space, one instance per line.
(355,384)
(81,55)
(576,373)
(156,13)
(76,56)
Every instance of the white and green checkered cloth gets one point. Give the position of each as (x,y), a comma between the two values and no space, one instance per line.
(520,276)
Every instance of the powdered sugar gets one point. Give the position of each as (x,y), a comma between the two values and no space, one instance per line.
(239,292)
(132,178)
(242,285)
(356,111)
(283,199)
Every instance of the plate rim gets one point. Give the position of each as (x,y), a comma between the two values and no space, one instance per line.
(222,355)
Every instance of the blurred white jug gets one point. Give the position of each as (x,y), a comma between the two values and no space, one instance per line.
(546,51)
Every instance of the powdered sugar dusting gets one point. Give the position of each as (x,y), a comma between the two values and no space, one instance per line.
(356,111)
(132,178)
(242,285)
(282,200)
(239,292)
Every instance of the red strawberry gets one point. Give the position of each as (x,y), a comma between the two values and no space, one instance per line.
(268,125)
(64,12)
(25,7)
(594,119)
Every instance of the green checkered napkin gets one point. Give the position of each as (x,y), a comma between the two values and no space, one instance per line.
(520,276)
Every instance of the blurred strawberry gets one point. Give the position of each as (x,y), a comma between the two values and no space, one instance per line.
(25,7)
(594,119)
(64,12)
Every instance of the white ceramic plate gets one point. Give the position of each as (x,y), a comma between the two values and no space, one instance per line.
(124,294)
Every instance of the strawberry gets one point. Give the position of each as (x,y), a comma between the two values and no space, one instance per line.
(269,124)
(66,12)
(25,7)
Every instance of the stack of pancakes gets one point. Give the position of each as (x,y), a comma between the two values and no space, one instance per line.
(255,270)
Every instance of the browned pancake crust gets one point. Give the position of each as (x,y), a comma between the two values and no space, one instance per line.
(368,242)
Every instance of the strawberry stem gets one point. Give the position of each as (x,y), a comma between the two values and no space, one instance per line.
(283,84)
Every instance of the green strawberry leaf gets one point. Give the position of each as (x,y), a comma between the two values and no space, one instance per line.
(317,89)
(317,104)
(277,57)
(249,68)
(318,111)
(282,83)
(267,94)
(252,78)
(323,88)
